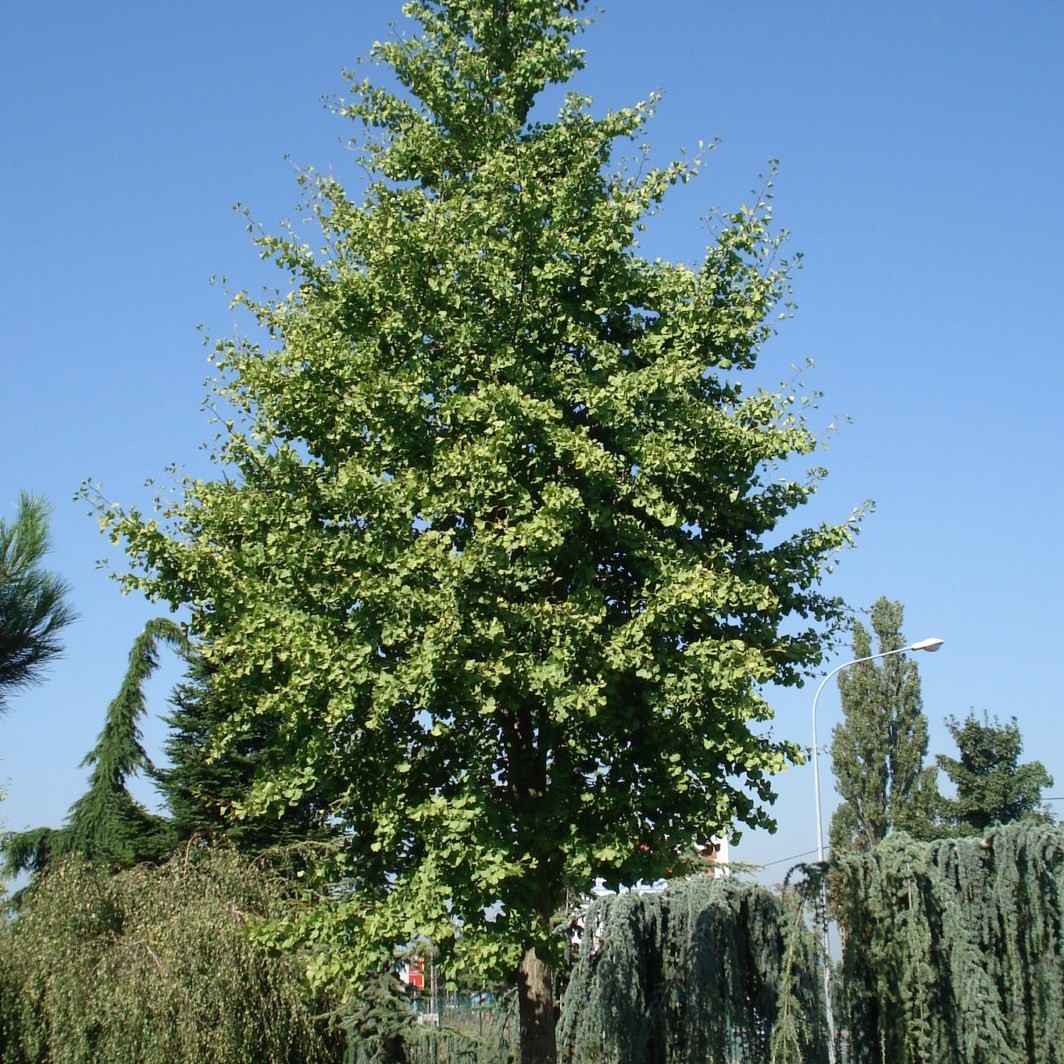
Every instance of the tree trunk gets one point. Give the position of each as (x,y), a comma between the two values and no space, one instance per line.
(536,1007)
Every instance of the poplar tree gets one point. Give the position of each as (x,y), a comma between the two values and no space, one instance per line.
(878,750)
(33,601)
(496,536)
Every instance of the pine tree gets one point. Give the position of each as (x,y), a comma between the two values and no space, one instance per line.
(992,786)
(33,602)
(203,783)
(878,750)
(497,540)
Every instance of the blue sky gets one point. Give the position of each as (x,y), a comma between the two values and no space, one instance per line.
(920,146)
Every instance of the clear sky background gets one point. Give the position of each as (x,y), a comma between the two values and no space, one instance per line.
(920,147)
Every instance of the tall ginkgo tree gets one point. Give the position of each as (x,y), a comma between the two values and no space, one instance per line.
(499,539)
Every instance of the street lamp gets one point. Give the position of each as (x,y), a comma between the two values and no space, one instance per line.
(930,645)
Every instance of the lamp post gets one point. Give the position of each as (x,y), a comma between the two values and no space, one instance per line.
(930,645)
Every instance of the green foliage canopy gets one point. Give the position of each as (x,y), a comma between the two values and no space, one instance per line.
(992,786)
(33,601)
(498,542)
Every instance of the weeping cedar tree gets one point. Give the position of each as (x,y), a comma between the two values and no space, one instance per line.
(992,786)
(107,825)
(955,948)
(711,970)
(496,537)
(33,606)
(879,748)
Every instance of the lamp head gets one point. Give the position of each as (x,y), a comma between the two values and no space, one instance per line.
(930,645)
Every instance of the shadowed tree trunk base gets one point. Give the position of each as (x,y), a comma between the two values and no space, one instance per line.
(536,1009)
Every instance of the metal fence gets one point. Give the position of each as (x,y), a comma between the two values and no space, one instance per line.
(477,1027)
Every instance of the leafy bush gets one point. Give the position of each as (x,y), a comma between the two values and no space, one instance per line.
(155,964)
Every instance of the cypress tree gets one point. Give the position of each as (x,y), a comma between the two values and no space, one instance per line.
(206,782)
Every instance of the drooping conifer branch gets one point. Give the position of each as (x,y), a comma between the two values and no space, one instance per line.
(107,825)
